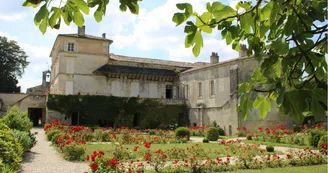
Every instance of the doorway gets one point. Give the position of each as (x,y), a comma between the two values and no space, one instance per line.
(168,92)
(35,115)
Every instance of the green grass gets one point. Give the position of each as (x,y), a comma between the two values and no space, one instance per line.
(277,144)
(299,169)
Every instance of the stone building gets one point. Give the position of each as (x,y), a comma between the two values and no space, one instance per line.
(82,64)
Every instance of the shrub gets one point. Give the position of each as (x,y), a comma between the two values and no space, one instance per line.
(54,137)
(11,149)
(152,132)
(23,138)
(15,119)
(98,135)
(323,140)
(213,134)
(297,129)
(269,148)
(249,137)
(221,132)
(182,132)
(206,140)
(315,135)
(51,133)
(73,151)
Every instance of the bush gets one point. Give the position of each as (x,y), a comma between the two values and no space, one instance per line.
(15,119)
(315,135)
(51,133)
(11,150)
(23,138)
(206,140)
(213,134)
(221,132)
(98,135)
(74,151)
(249,137)
(323,140)
(297,129)
(54,137)
(182,132)
(152,132)
(269,148)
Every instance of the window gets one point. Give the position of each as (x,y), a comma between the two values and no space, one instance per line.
(70,47)
(187,91)
(178,92)
(168,92)
(200,93)
(212,88)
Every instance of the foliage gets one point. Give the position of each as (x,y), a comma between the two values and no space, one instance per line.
(15,119)
(323,140)
(198,130)
(72,11)
(12,64)
(221,131)
(242,132)
(212,134)
(205,140)
(315,135)
(269,148)
(287,38)
(118,111)
(182,132)
(23,138)
(73,151)
(11,150)
(52,133)
(249,137)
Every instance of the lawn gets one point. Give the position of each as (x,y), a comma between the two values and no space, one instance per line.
(212,150)
(299,169)
(277,144)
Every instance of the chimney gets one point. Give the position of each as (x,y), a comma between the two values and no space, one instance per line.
(104,35)
(81,31)
(243,51)
(214,58)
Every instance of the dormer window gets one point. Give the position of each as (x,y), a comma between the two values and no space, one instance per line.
(70,47)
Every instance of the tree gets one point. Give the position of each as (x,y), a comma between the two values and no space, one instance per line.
(12,64)
(287,38)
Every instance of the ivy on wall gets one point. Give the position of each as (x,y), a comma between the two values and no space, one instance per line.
(119,111)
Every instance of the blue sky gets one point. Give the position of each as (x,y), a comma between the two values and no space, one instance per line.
(150,34)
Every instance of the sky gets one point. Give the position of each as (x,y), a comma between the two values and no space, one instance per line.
(151,34)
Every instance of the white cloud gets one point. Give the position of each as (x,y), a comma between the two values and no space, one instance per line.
(12,17)
(10,37)
(154,30)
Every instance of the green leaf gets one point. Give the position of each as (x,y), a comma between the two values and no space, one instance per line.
(40,14)
(29,4)
(263,104)
(55,16)
(82,5)
(44,23)
(179,18)
(198,39)
(246,21)
(224,12)
(78,18)
(280,46)
(207,29)
(98,15)
(316,108)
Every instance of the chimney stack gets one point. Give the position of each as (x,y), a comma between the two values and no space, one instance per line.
(214,58)
(104,35)
(243,51)
(81,31)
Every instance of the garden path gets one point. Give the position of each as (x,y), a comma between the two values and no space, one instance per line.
(45,159)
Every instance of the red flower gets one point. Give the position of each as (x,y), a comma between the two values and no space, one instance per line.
(238,129)
(87,158)
(147,144)
(136,148)
(94,166)
(147,157)
(139,171)
(101,152)
(113,162)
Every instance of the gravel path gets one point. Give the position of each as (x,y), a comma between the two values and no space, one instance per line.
(43,158)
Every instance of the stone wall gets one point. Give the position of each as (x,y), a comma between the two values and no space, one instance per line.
(54,115)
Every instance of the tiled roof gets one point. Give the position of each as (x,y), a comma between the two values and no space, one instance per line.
(109,68)
(157,61)
(85,36)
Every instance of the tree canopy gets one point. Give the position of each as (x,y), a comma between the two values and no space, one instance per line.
(12,65)
(288,39)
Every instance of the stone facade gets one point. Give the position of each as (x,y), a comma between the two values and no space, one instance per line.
(82,64)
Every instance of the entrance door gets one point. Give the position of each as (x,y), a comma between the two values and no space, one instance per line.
(35,115)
